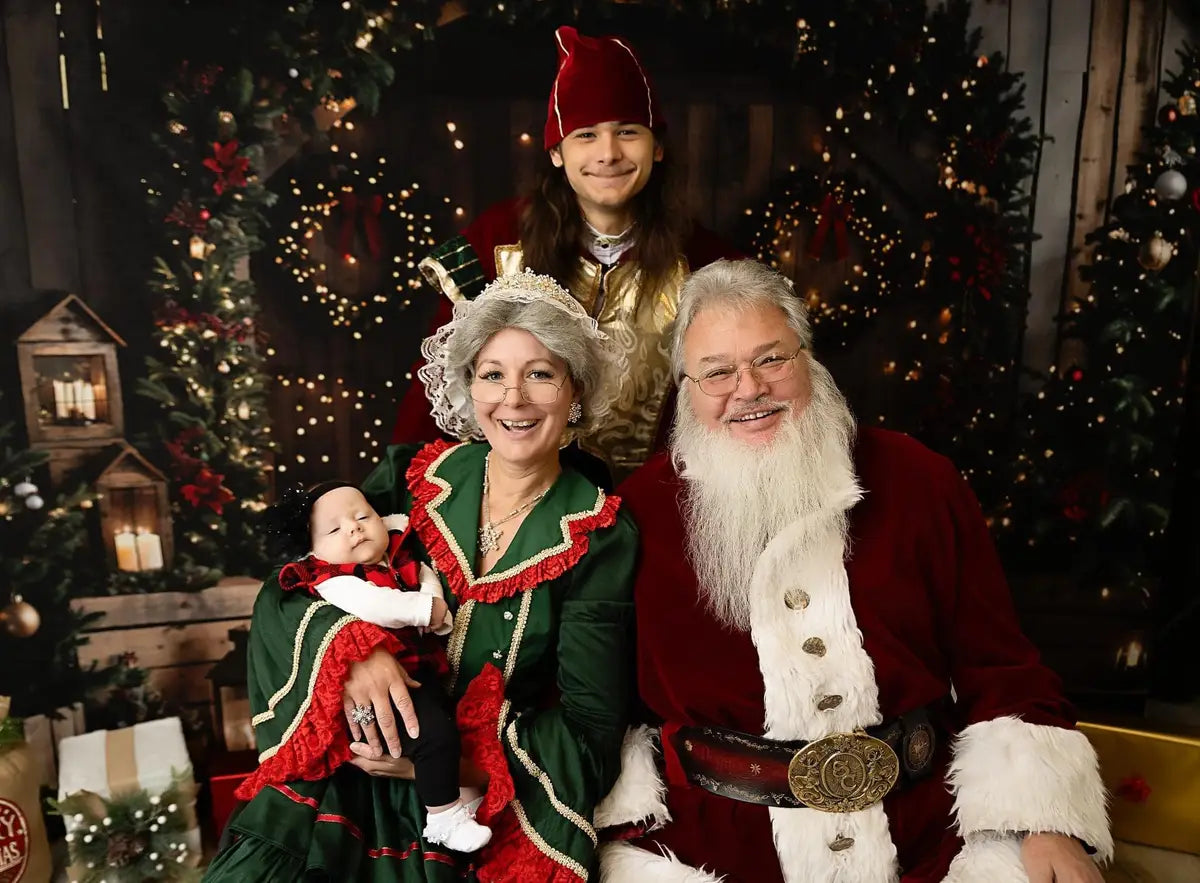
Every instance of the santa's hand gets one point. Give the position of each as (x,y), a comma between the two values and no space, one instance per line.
(1057,858)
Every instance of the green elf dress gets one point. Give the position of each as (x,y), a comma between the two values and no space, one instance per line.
(540,666)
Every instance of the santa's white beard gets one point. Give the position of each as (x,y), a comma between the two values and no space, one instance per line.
(737,495)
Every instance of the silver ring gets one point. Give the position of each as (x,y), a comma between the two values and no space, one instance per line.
(362,715)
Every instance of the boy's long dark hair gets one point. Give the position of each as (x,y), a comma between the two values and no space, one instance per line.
(552,225)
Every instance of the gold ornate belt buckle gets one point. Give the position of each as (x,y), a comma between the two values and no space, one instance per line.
(844,772)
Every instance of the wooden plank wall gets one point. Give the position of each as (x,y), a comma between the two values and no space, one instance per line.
(175,636)
(1093,70)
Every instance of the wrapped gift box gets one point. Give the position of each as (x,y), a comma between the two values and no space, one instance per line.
(225,772)
(146,756)
(1154,782)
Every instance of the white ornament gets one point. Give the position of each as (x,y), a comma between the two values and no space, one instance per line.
(154,801)
(107,821)
(154,829)
(33,501)
(138,814)
(162,820)
(153,856)
(87,838)
(25,488)
(1171,185)
(172,807)
(78,817)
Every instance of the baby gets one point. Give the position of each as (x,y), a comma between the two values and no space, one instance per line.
(345,553)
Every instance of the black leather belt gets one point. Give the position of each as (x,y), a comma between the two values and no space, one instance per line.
(844,772)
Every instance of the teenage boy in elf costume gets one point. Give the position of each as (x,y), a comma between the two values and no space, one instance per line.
(607,220)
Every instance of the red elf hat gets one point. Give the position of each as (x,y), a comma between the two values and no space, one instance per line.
(599,79)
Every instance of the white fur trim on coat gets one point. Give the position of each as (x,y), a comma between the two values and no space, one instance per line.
(809,555)
(1009,776)
(988,859)
(622,862)
(639,794)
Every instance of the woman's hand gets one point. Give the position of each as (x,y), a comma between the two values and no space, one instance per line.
(374,762)
(380,682)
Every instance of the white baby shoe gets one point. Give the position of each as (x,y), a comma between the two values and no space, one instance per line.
(457,829)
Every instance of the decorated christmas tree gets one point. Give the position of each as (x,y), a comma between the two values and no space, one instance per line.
(45,561)
(229,116)
(1097,471)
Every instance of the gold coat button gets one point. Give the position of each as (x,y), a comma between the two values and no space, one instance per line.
(797,599)
(827,702)
(814,647)
(841,843)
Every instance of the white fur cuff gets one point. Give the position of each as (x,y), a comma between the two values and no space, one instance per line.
(990,859)
(639,794)
(397,521)
(1010,777)
(622,862)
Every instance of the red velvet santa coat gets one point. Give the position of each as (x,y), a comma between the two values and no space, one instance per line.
(916,604)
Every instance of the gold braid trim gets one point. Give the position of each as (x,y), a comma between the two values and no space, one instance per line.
(538,773)
(291,681)
(543,847)
(518,632)
(312,684)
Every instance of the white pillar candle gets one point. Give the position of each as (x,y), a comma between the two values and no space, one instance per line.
(60,400)
(127,556)
(87,401)
(149,550)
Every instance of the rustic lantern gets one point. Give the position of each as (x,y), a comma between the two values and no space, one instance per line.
(231,699)
(71,385)
(135,517)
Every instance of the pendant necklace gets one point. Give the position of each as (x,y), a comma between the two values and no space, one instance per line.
(489,536)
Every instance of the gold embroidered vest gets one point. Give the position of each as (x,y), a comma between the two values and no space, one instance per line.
(627,439)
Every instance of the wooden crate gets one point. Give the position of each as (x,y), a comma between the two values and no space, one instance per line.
(176,636)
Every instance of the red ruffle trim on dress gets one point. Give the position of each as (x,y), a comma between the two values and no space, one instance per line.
(512,857)
(479,729)
(436,544)
(321,742)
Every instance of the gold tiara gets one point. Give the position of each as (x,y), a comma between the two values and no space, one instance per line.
(535,283)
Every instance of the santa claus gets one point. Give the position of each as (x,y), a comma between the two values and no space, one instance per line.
(826,636)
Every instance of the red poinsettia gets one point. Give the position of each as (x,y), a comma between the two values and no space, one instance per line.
(206,489)
(229,168)
(189,216)
(1135,789)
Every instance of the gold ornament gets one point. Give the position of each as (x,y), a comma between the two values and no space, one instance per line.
(20,618)
(1187,104)
(1155,253)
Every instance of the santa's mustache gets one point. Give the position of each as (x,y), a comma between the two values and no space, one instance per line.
(757,407)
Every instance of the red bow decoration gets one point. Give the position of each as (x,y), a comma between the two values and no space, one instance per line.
(229,168)
(833,213)
(370,209)
(1134,789)
(206,489)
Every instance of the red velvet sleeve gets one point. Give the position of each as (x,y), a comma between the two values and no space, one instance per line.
(995,669)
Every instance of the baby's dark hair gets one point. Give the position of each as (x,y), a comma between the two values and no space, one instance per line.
(286,521)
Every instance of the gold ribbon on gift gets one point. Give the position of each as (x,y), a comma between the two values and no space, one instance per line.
(120,757)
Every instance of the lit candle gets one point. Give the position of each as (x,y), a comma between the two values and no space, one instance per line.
(149,550)
(60,400)
(87,400)
(127,556)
